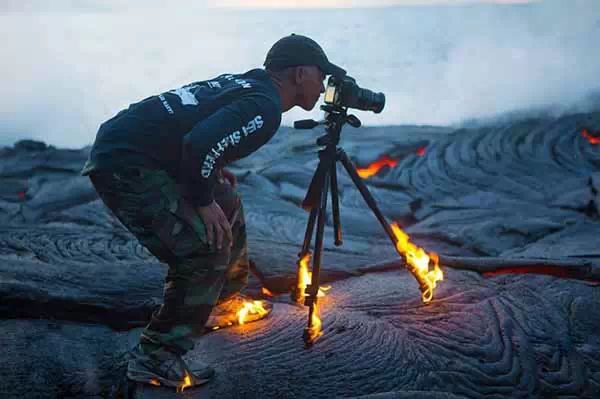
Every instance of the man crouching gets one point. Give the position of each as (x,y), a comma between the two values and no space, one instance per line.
(158,166)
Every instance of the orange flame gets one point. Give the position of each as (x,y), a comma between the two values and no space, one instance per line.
(154,382)
(314,331)
(248,308)
(418,262)
(592,139)
(265,291)
(374,167)
(187,382)
(304,278)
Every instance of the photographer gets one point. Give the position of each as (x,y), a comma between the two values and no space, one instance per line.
(158,165)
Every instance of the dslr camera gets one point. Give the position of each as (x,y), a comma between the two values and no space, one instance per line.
(344,92)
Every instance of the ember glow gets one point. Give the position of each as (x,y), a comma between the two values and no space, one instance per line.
(591,138)
(421,151)
(265,291)
(374,167)
(418,262)
(248,308)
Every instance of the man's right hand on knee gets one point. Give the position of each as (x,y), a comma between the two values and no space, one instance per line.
(217,225)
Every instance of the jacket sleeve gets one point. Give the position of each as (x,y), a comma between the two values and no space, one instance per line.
(231,133)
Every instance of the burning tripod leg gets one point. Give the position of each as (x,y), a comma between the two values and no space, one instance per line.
(313,331)
(417,260)
(317,194)
(424,267)
(302,274)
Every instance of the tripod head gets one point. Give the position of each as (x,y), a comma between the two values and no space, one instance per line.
(335,118)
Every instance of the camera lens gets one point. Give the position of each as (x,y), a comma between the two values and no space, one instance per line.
(370,101)
(354,96)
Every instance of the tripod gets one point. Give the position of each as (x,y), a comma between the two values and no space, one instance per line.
(315,201)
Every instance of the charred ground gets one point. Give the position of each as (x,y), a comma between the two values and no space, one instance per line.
(493,201)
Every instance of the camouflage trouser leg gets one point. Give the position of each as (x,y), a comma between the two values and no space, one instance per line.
(149,203)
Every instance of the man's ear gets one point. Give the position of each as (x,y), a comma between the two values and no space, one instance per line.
(299,74)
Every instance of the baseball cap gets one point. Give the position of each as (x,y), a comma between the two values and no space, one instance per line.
(296,50)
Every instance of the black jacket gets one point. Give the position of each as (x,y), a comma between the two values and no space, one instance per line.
(193,130)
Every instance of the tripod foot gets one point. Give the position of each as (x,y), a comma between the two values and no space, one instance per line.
(307,336)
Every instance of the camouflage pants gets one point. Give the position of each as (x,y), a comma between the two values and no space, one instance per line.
(149,203)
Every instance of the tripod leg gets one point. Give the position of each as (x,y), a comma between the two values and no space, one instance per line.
(311,200)
(310,227)
(312,332)
(366,194)
(335,206)
(314,283)
(297,293)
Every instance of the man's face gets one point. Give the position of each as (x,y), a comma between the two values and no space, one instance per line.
(309,80)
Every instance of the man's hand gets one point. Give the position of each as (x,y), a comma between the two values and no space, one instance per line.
(230,177)
(217,225)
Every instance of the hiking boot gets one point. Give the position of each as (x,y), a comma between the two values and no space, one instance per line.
(166,368)
(236,310)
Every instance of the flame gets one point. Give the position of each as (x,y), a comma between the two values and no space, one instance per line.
(421,151)
(314,331)
(418,261)
(592,139)
(374,167)
(187,382)
(254,307)
(154,382)
(304,278)
(265,291)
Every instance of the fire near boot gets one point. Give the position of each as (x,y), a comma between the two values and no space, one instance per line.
(238,309)
(166,368)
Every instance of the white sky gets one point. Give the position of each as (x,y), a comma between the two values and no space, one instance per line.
(351,3)
(112,5)
(68,65)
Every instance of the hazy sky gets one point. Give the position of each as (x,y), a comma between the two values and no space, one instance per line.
(69,65)
(56,5)
(351,3)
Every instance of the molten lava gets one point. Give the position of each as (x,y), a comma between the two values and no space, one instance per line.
(248,308)
(591,138)
(374,167)
(418,262)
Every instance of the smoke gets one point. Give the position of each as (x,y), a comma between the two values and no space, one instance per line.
(69,65)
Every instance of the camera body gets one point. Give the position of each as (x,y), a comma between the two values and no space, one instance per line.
(344,92)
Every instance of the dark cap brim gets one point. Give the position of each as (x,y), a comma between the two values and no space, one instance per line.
(334,70)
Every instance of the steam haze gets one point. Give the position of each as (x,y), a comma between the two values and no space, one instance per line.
(67,66)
